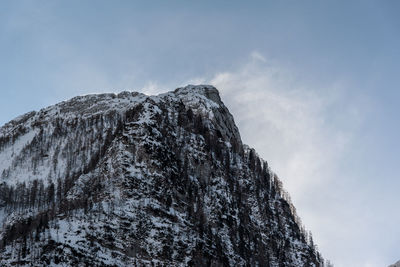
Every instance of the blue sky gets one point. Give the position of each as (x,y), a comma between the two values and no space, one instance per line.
(323,76)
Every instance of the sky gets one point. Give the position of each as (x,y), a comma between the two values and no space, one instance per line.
(313,87)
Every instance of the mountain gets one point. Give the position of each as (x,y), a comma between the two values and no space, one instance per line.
(397,264)
(131,179)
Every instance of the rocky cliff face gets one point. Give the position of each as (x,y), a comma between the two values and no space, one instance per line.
(130,179)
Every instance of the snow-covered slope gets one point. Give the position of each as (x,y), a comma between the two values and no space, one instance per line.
(119,180)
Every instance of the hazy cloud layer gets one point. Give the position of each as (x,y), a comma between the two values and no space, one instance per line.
(287,120)
(305,131)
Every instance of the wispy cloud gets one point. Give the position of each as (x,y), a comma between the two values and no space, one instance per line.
(286,120)
(303,129)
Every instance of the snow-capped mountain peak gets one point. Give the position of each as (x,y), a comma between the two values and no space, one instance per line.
(129,179)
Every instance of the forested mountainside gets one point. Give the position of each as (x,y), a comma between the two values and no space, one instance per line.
(133,180)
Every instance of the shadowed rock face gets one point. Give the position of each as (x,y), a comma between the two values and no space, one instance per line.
(397,264)
(130,179)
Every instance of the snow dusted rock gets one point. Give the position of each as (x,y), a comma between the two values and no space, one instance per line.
(130,179)
(397,264)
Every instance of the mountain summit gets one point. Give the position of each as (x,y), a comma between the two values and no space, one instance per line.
(133,180)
